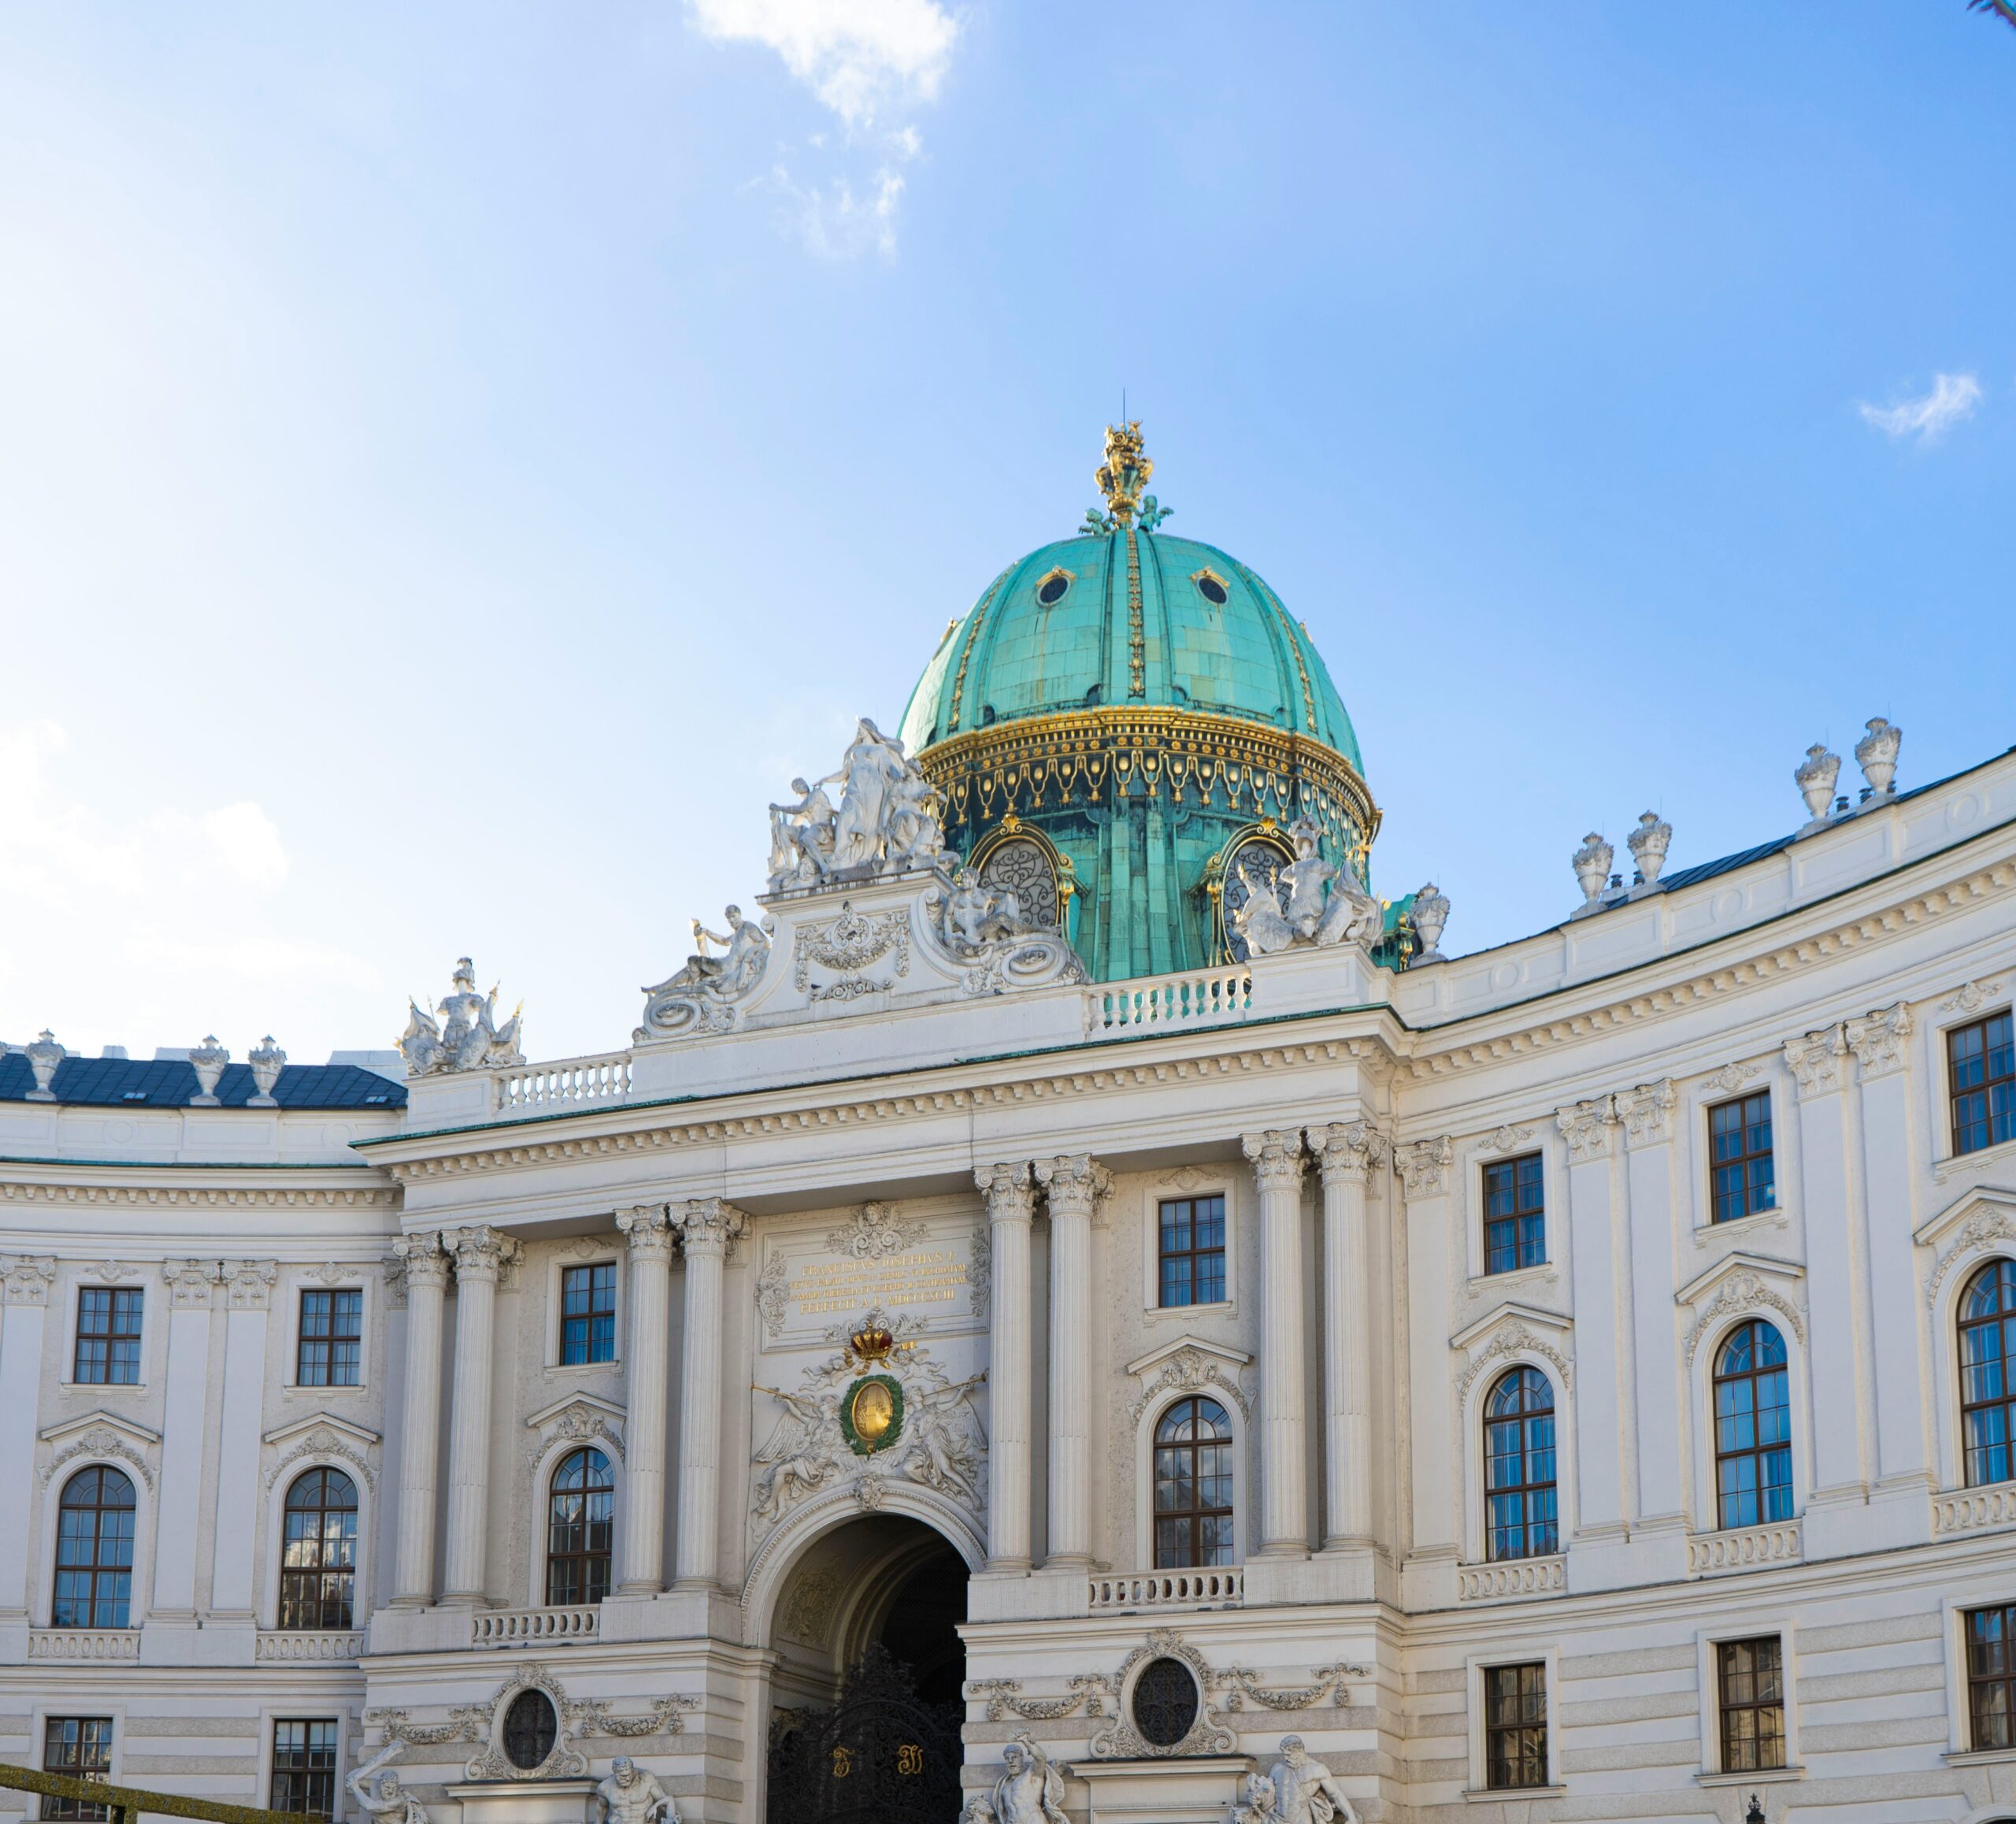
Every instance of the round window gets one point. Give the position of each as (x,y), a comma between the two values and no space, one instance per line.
(1049,591)
(1211,589)
(1165,1702)
(530,1728)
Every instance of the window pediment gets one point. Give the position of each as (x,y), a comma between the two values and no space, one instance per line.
(1740,1284)
(1966,1229)
(1510,1329)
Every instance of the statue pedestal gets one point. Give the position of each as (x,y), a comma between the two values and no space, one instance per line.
(526,1801)
(1196,1789)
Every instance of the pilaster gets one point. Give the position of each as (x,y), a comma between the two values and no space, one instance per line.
(1653,1345)
(248,1298)
(426,1265)
(1073,1184)
(707,1227)
(1010,1196)
(481,1255)
(1599,1552)
(1277,1160)
(24,1283)
(1424,1169)
(1348,1153)
(646,1363)
(191,1291)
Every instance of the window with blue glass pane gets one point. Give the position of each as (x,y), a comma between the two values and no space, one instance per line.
(1981,1062)
(331,1350)
(1753,1427)
(108,1335)
(1514,1215)
(1987,1343)
(94,1551)
(587,1314)
(1191,1250)
(1520,1515)
(1740,1169)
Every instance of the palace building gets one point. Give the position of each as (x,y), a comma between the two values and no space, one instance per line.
(1073,1288)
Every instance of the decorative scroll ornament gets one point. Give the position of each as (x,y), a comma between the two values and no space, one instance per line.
(1878,1039)
(191,1283)
(666,1717)
(1511,1340)
(702,996)
(1348,1151)
(980,1271)
(1742,1292)
(1192,1370)
(565,1762)
(1586,1127)
(876,1232)
(581,1421)
(847,946)
(465,1723)
(1730,1079)
(1310,902)
(101,1441)
(772,1288)
(983,931)
(1121,1740)
(249,1283)
(1986,1229)
(1644,1111)
(1089,1692)
(1815,1060)
(1422,1165)
(25,1278)
(469,1039)
(1240,1684)
(323,1443)
(1972,997)
(1507,1140)
(806,1613)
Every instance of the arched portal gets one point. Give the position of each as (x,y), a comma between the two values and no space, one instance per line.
(865,1705)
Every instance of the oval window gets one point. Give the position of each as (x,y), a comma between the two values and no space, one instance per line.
(1049,591)
(530,1730)
(1212,590)
(1165,1702)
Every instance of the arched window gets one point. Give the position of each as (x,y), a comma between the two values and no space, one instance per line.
(1024,867)
(1193,1486)
(94,1551)
(318,1552)
(1987,1343)
(1753,1427)
(580,1513)
(1522,1516)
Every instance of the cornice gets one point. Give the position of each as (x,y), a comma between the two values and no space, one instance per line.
(151,1187)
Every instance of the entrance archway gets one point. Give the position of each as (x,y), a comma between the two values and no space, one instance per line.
(865,1692)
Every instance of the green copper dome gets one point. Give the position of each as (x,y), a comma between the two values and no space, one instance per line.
(1117,717)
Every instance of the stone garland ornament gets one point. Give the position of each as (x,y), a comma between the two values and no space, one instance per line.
(1089,1692)
(1240,1683)
(666,1717)
(846,946)
(980,1271)
(469,1037)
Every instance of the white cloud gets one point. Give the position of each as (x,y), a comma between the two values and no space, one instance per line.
(833,220)
(1953,397)
(859,57)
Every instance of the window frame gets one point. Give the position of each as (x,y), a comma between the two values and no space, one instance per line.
(561,1319)
(549,1495)
(272,1771)
(1517,1650)
(1197,1514)
(1981,1022)
(302,1339)
(1517,1218)
(1525,1489)
(1747,1626)
(96,1569)
(1727,1708)
(1715,1456)
(1714,1165)
(49,1806)
(605,1253)
(1159,1255)
(320,1571)
(2003,1321)
(112,1289)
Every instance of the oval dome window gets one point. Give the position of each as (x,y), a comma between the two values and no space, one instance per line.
(1210,588)
(1049,591)
(530,1729)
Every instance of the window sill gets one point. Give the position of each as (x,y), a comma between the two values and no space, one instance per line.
(1222,1307)
(1979,1757)
(1945,1168)
(338,1389)
(1541,1270)
(101,1387)
(1760,1776)
(1779,1217)
(1513,1795)
(613,1366)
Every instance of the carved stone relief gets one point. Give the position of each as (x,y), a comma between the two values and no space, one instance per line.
(1742,1292)
(1509,1340)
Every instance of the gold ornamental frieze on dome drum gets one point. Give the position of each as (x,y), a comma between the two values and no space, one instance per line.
(1069,754)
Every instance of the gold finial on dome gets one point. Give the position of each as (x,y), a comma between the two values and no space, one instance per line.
(1125,471)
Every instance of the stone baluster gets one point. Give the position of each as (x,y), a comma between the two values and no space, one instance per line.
(1073,1184)
(426,1264)
(645,1356)
(707,1226)
(481,1255)
(1276,1155)
(1010,1202)
(1348,1152)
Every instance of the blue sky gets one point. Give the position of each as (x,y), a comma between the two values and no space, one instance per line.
(455,463)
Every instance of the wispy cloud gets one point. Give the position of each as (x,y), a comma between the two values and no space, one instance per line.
(870,62)
(1953,397)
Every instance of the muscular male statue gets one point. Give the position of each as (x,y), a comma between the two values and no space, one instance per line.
(631,1795)
(1306,1792)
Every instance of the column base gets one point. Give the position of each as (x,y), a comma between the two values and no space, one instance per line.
(1007,1566)
(642,1587)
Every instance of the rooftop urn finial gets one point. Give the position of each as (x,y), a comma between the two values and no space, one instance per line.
(1649,843)
(1815,779)
(1126,472)
(1431,916)
(1591,865)
(43,1056)
(267,1060)
(208,1061)
(1876,754)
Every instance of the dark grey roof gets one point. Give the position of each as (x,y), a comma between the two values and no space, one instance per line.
(171,1083)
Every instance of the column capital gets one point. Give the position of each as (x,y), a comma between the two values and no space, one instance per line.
(649,1227)
(248,1284)
(481,1253)
(1073,1183)
(1276,1156)
(1009,1191)
(1422,1165)
(26,1277)
(707,1225)
(1644,1111)
(1815,1059)
(423,1257)
(1347,1150)
(191,1283)
(1586,1126)
(1878,1039)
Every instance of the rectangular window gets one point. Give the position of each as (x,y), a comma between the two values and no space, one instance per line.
(1514,1726)
(1740,1144)
(80,1747)
(1749,1676)
(1980,1061)
(331,1352)
(587,1314)
(1991,1677)
(305,1767)
(108,1335)
(1514,1215)
(1192,1246)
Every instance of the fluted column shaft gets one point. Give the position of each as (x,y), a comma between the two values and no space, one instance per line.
(707,1227)
(419,1450)
(1277,1165)
(481,1255)
(645,1351)
(1348,1151)
(1010,1204)
(1073,1184)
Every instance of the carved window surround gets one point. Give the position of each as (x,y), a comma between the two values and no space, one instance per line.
(575,1418)
(324,1437)
(1510,1331)
(1742,1284)
(1190,1365)
(1978,1226)
(100,1436)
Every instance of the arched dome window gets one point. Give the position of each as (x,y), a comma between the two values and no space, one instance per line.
(1987,1343)
(1193,1486)
(1521,1503)
(1022,866)
(1753,1427)
(94,1519)
(581,1516)
(318,1552)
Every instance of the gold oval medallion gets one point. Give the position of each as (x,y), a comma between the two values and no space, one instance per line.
(872,1411)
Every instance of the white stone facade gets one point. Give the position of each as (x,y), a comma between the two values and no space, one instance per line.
(981,1160)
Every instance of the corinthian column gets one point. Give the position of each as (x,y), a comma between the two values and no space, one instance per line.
(706,1227)
(1073,1184)
(1010,1200)
(644,1354)
(481,1253)
(1277,1162)
(426,1267)
(1348,1151)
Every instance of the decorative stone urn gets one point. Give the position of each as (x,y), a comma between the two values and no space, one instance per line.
(1815,779)
(43,1056)
(1649,843)
(1431,914)
(208,1061)
(1876,754)
(1592,865)
(267,1060)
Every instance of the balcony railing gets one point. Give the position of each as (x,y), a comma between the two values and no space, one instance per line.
(1744,1549)
(1974,1510)
(511,1627)
(323,1644)
(98,1643)
(1515,1576)
(1188,1000)
(566,1083)
(1171,1589)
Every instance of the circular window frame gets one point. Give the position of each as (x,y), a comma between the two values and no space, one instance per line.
(1059,575)
(528,1770)
(1222,584)
(1153,1746)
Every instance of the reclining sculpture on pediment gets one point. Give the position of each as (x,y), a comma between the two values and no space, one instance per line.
(701,996)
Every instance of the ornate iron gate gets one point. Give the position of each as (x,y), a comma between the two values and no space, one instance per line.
(881,1755)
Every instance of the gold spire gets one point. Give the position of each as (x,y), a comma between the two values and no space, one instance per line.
(1125,471)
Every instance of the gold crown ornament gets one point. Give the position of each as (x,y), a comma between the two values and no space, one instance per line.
(873,1344)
